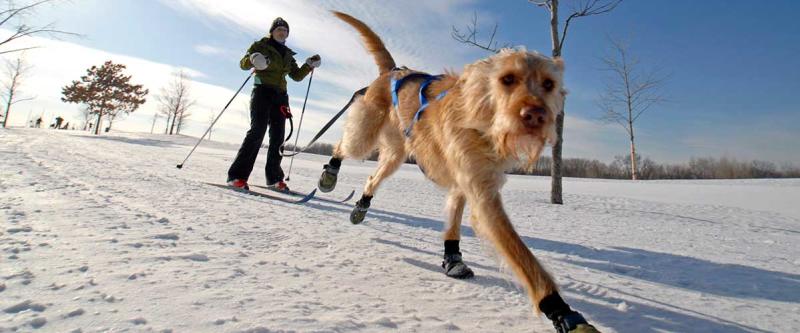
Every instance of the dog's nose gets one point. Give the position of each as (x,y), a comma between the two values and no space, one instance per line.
(533,116)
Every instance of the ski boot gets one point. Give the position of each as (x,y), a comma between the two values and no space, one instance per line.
(455,268)
(327,181)
(239,183)
(279,187)
(360,210)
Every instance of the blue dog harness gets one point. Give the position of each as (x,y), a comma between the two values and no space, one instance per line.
(423,101)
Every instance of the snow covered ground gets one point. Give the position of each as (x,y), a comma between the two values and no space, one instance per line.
(103,233)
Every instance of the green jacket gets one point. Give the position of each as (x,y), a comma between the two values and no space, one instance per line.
(279,66)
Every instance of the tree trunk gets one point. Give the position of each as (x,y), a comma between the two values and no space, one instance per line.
(8,107)
(180,123)
(172,125)
(97,125)
(555,170)
(634,174)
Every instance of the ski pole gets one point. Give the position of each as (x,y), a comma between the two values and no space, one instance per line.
(180,166)
(302,112)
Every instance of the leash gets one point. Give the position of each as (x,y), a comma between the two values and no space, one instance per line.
(330,123)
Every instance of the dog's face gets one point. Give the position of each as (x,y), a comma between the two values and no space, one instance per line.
(514,97)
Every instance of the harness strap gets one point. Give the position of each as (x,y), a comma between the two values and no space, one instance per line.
(396,84)
(423,102)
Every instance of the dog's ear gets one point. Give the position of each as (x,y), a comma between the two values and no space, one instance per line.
(559,62)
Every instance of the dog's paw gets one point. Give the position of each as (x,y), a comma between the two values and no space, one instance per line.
(455,268)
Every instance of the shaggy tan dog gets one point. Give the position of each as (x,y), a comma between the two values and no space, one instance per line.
(498,111)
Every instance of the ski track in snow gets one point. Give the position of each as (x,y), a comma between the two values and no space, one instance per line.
(103,233)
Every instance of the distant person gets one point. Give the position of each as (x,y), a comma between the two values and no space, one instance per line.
(59,120)
(269,104)
(39,122)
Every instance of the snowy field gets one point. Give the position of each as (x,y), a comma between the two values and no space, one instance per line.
(104,234)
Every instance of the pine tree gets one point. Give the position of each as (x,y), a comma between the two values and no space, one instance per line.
(105,91)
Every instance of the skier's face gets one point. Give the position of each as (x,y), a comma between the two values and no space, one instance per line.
(280,34)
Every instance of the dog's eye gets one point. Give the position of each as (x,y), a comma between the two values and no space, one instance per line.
(548,85)
(508,79)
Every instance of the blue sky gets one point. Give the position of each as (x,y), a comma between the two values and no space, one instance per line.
(732,65)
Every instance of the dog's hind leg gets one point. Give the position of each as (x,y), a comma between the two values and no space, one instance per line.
(455,213)
(358,141)
(392,155)
(453,265)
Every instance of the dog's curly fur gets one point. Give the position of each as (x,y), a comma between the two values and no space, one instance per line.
(499,110)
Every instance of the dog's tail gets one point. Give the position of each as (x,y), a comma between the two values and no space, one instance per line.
(372,42)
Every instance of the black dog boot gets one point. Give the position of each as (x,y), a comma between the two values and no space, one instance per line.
(565,320)
(453,265)
(327,181)
(360,210)
(573,323)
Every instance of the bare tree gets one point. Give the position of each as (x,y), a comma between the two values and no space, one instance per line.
(582,8)
(112,115)
(86,116)
(211,118)
(155,118)
(629,94)
(15,73)
(16,15)
(175,102)
(183,118)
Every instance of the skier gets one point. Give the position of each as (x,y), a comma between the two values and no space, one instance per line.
(269,104)
(39,122)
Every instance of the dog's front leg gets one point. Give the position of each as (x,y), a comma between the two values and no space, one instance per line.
(492,223)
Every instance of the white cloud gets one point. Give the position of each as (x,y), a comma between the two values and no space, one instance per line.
(208,50)
(419,39)
(50,74)
(587,138)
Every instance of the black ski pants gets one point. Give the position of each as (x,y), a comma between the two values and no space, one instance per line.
(267,107)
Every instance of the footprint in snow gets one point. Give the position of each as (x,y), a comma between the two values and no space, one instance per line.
(168,236)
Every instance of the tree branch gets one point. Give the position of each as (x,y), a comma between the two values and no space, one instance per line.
(470,37)
(23,100)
